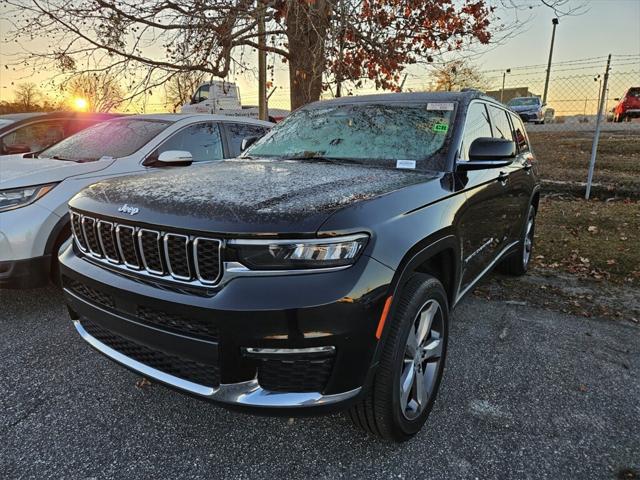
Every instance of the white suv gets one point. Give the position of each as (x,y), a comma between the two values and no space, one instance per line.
(34,191)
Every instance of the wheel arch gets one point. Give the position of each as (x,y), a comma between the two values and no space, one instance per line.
(62,227)
(437,255)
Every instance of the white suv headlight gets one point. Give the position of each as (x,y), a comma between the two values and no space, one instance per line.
(21,197)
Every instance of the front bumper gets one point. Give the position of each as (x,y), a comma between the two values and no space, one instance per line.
(29,273)
(24,232)
(201,344)
(530,116)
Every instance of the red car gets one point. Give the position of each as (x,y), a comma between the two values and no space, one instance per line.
(628,107)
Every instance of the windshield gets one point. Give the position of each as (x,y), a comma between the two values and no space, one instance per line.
(114,138)
(524,102)
(381,135)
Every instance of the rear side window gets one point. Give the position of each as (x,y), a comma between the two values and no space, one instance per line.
(500,122)
(202,140)
(519,134)
(476,126)
(236,132)
(33,137)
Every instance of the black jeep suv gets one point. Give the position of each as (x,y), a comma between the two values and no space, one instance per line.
(318,270)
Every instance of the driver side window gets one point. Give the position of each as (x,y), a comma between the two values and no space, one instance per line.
(33,137)
(476,126)
(202,140)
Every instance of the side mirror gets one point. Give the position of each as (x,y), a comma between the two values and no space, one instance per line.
(175,158)
(489,152)
(247,142)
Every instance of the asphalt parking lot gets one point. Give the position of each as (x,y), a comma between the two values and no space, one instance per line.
(527,393)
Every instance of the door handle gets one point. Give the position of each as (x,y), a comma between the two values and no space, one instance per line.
(503,177)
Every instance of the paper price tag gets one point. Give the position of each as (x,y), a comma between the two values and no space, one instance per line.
(411,164)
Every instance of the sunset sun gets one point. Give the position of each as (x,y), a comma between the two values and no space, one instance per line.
(80,103)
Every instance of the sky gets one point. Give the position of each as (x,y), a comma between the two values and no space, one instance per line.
(607,26)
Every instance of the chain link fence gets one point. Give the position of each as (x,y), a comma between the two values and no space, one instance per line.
(564,130)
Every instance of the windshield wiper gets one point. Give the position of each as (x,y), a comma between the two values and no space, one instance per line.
(322,158)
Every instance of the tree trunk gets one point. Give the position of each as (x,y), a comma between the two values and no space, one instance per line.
(307,24)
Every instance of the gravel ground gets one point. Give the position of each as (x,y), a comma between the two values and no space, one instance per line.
(527,393)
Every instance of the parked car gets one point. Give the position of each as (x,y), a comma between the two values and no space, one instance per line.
(531,109)
(628,106)
(34,191)
(33,132)
(318,271)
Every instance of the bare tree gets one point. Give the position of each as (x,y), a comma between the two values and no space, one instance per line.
(456,75)
(180,88)
(101,91)
(147,42)
(27,97)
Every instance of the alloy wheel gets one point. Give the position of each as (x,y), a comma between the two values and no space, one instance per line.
(528,238)
(421,360)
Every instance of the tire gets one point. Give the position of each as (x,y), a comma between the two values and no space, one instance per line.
(384,411)
(517,263)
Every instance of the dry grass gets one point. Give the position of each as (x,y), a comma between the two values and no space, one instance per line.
(597,239)
(564,156)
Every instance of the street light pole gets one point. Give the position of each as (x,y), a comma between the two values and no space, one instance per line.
(504,77)
(553,38)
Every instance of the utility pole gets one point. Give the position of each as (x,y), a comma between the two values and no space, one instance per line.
(596,136)
(504,78)
(262,64)
(555,22)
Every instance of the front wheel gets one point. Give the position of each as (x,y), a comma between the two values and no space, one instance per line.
(408,376)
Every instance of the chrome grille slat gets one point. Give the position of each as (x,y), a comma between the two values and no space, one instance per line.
(76,228)
(107,241)
(179,258)
(177,265)
(206,253)
(150,252)
(91,238)
(125,236)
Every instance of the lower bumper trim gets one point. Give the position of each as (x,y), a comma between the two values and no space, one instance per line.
(248,393)
(28,273)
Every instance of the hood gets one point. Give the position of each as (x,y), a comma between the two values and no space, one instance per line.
(16,171)
(525,108)
(244,196)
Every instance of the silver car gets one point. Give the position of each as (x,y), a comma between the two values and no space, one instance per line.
(34,191)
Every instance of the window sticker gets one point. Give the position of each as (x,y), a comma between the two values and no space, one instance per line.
(440,128)
(411,164)
(440,106)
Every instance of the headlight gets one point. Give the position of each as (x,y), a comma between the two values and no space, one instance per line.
(23,196)
(298,254)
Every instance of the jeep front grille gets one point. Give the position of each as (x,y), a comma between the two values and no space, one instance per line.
(184,258)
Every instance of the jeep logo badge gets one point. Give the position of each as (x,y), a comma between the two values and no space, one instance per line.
(127,209)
